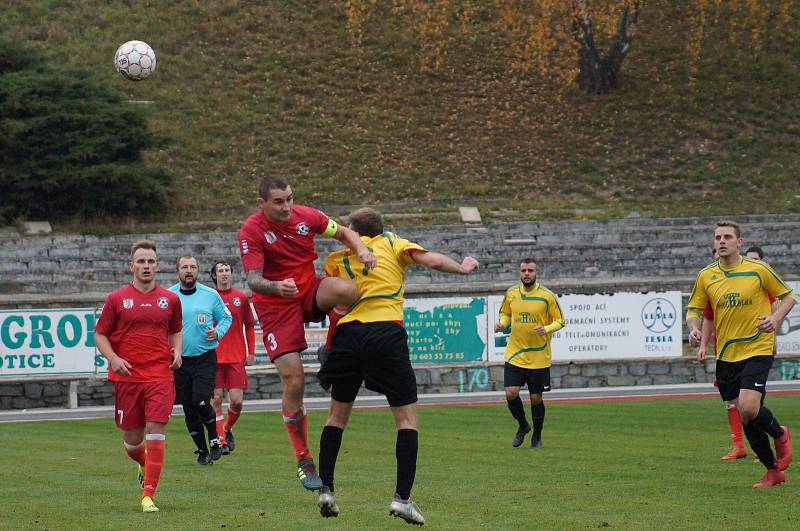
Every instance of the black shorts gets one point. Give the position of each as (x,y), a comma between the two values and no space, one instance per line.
(195,380)
(538,380)
(375,354)
(751,373)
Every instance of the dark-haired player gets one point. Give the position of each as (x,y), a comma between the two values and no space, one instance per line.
(533,313)
(277,249)
(236,349)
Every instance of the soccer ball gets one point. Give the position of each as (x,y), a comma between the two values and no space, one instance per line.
(135,60)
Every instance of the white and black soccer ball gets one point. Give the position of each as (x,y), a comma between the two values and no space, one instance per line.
(135,60)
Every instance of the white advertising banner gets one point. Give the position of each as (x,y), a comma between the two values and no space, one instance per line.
(788,337)
(622,325)
(47,342)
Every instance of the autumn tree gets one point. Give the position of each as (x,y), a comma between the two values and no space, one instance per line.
(583,43)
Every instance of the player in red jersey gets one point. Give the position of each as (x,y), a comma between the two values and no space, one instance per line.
(139,333)
(236,349)
(734,419)
(277,249)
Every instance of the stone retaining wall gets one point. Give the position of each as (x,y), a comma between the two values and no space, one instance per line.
(264,382)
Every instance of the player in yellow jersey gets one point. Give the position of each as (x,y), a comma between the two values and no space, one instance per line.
(370,345)
(533,313)
(738,290)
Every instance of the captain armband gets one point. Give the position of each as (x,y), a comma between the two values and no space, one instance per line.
(330,230)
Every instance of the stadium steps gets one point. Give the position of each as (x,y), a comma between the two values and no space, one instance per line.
(581,255)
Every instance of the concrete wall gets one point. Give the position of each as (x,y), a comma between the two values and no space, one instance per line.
(265,384)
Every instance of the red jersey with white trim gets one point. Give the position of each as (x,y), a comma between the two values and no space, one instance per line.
(138,325)
(284,250)
(233,347)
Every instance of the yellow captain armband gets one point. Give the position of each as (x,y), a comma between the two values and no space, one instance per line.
(694,313)
(331,229)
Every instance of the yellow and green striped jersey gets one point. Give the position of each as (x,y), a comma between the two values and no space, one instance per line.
(525,310)
(738,295)
(381,289)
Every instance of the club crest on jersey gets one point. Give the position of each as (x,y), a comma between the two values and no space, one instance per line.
(201,318)
(163,303)
(237,301)
(302,229)
(270,237)
(127,303)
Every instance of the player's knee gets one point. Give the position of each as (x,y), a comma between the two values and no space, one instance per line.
(345,293)
(511,394)
(236,404)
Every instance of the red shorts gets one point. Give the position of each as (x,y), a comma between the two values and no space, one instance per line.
(231,376)
(136,403)
(283,321)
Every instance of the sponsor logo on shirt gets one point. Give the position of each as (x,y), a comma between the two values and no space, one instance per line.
(237,301)
(245,248)
(302,229)
(163,303)
(270,237)
(201,318)
(127,303)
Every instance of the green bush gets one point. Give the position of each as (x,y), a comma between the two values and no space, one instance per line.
(69,145)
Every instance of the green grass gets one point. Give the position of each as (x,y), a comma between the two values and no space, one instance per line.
(624,465)
(248,88)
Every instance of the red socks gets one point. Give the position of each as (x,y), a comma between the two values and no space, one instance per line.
(220,433)
(154,462)
(297,427)
(735,425)
(231,420)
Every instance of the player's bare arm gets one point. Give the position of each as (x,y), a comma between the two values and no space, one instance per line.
(442,263)
(705,339)
(351,240)
(695,335)
(116,364)
(768,323)
(176,347)
(285,288)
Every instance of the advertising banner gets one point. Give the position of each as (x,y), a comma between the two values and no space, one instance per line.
(47,342)
(617,326)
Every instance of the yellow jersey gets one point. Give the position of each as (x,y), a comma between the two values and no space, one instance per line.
(524,310)
(738,295)
(381,290)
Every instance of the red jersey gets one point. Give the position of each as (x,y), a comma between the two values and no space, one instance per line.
(232,346)
(138,325)
(282,251)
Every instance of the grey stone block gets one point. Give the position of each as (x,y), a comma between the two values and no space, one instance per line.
(644,380)
(11,390)
(451,377)
(54,389)
(5,402)
(33,390)
(608,369)
(618,380)
(556,371)
(20,402)
(657,368)
(572,381)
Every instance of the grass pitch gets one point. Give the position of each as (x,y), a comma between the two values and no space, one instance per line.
(623,464)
